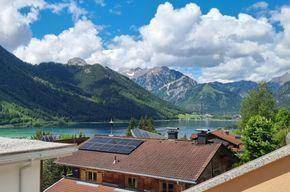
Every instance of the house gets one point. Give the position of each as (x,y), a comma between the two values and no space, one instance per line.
(233,142)
(269,173)
(147,164)
(20,162)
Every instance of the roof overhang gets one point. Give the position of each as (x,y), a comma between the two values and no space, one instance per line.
(131,173)
(37,154)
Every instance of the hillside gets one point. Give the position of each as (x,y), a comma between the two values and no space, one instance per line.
(211,98)
(51,91)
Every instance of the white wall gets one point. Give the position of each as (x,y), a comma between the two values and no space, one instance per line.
(9,177)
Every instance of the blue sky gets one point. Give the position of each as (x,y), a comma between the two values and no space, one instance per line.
(125,16)
(209,40)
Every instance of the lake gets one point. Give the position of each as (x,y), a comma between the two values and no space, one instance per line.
(90,129)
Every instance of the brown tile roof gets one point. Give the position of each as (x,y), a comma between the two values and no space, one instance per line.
(222,135)
(69,185)
(170,159)
(227,137)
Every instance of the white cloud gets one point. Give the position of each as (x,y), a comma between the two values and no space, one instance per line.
(16,16)
(79,41)
(226,48)
(14,24)
(71,6)
(259,5)
(260,9)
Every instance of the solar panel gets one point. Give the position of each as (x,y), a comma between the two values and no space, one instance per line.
(111,145)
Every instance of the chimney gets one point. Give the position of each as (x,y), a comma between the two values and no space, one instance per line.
(227,132)
(202,137)
(173,133)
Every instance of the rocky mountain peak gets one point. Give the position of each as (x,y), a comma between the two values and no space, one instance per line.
(132,73)
(77,61)
(169,83)
(281,79)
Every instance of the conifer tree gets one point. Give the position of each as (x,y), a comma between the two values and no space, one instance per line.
(132,125)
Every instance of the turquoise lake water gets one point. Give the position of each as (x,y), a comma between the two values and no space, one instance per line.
(90,129)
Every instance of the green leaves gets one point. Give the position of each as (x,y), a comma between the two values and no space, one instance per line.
(132,125)
(258,138)
(260,101)
(264,128)
(145,123)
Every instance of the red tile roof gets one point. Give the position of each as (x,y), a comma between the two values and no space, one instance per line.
(222,135)
(170,159)
(69,185)
(227,137)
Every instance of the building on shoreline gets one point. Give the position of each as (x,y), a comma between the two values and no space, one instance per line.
(20,162)
(147,164)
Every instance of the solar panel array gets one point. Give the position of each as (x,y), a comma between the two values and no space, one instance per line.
(111,145)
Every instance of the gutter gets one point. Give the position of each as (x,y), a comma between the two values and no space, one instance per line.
(131,173)
(21,169)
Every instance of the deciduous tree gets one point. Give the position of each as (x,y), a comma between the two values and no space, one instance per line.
(258,137)
(260,101)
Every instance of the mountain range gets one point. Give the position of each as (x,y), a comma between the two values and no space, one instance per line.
(74,91)
(77,91)
(214,97)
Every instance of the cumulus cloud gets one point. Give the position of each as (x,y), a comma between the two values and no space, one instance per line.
(225,48)
(16,17)
(82,40)
(14,28)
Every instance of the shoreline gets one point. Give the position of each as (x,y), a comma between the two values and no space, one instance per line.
(56,124)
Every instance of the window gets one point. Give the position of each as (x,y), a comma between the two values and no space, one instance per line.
(167,187)
(170,187)
(164,187)
(132,182)
(94,176)
(91,176)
